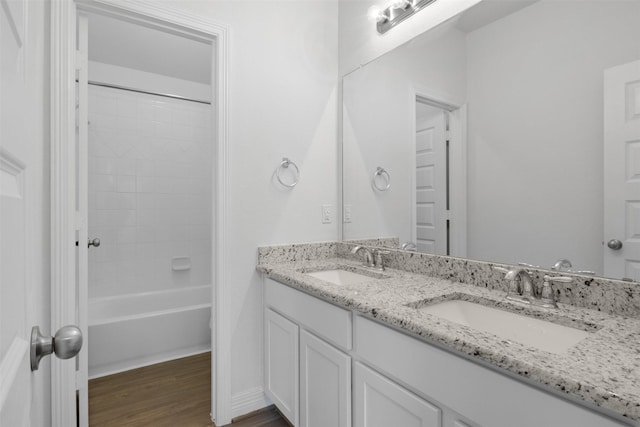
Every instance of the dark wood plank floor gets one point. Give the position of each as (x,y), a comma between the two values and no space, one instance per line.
(174,393)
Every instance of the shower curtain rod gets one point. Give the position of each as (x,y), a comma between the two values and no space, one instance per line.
(166,95)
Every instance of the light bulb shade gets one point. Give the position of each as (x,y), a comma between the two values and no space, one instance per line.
(401,4)
(375,14)
(382,16)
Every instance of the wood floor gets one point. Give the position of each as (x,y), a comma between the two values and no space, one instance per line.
(171,394)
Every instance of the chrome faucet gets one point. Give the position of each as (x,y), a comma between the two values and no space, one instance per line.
(525,291)
(379,260)
(562,264)
(368,258)
(409,246)
(565,265)
(522,289)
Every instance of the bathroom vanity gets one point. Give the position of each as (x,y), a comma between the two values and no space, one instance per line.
(357,348)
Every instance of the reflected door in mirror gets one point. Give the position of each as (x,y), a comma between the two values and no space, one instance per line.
(431,225)
(622,171)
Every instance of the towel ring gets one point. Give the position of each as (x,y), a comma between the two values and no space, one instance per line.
(284,165)
(381,172)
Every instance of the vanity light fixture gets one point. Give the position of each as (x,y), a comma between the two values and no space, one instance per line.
(398,12)
(375,14)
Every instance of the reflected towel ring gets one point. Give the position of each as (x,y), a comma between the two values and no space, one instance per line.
(284,165)
(381,172)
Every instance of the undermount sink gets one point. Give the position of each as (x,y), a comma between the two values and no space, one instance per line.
(526,330)
(340,276)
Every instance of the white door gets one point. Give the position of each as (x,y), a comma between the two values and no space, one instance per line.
(325,384)
(431,180)
(281,364)
(24,396)
(622,171)
(379,401)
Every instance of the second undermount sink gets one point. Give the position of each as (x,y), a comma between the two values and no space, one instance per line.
(343,276)
(537,333)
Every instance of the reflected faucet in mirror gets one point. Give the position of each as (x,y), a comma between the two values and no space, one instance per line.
(562,265)
(368,257)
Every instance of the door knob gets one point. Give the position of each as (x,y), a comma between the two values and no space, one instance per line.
(95,243)
(614,244)
(66,343)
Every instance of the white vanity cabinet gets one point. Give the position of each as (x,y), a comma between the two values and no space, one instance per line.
(325,383)
(315,351)
(468,391)
(379,402)
(308,378)
(281,355)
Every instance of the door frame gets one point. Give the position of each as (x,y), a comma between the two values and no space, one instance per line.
(63,189)
(444,112)
(457,162)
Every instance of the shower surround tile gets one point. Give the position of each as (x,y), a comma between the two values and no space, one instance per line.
(149,187)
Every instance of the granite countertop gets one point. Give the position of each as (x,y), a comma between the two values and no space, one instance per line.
(603,369)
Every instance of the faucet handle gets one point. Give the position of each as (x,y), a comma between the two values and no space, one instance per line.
(500,269)
(546,294)
(558,279)
(524,264)
(379,260)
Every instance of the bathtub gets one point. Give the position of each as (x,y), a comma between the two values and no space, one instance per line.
(130,331)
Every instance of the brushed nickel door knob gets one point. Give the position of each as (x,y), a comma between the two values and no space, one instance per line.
(66,343)
(614,244)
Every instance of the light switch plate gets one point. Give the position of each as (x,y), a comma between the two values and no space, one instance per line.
(326,214)
(347,213)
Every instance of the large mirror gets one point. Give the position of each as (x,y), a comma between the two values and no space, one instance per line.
(506,134)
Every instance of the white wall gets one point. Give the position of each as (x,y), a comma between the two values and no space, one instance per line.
(535,141)
(360,42)
(378,125)
(282,98)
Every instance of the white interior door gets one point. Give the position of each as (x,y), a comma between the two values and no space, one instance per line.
(24,396)
(431,180)
(82,138)
(622,171)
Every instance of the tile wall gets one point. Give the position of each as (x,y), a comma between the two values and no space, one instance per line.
(150,186)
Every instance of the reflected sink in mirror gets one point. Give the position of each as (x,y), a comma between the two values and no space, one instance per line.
(526,330)
(345,275)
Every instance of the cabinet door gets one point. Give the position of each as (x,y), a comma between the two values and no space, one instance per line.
(281,364)
(379,401)
(325,384)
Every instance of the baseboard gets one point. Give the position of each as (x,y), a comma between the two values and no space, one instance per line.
(127,365)
(248,401)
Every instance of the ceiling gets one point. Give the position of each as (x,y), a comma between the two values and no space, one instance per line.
(125,44)
(488,11)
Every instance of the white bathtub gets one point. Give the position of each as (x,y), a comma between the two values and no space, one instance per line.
(130,331)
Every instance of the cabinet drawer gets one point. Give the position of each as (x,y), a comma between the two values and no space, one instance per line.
(326,320)
(480,394)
